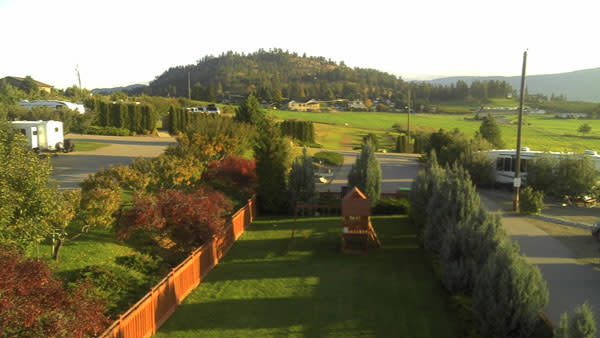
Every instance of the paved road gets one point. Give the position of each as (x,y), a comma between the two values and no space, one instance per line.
(569,282)
(398,170)
(72,168)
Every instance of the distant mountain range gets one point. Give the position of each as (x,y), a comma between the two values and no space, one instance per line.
(581,85)
(108,91)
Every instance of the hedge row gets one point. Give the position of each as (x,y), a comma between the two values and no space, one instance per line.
(140,118)
(303,131)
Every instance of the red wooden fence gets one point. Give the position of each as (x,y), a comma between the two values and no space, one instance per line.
(147,315)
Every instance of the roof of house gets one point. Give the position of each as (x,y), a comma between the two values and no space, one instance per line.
(14,79)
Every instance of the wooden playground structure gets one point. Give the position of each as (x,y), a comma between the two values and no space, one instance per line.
(358,233)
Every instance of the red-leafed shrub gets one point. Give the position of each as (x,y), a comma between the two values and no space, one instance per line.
(188,220)
(234,175)
(34,304)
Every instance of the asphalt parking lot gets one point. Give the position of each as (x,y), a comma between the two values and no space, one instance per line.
(72,168)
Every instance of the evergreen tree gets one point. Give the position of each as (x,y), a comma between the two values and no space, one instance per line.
(271,152)
(490,131)
(454,201)
(581,325)
(464,252)
(365,174)
(302,181)
(509,294)
(428,180)
(250,112)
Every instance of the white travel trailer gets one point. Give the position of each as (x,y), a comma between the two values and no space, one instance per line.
(43,135)
(53,105)
(506,161)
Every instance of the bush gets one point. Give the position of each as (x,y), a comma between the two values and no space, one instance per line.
(531,201)
(208,138)
(143,263)
(188,220)
(34,303)
(114,285)
(391,207)
(111,131)
(329,157)
(235,176)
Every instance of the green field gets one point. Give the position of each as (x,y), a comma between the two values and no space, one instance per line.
(87,146)
(340,131)
(315,290)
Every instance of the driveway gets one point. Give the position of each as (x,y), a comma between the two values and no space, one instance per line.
(71,169)
(572,276)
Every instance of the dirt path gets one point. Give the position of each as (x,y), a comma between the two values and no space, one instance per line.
(566,256)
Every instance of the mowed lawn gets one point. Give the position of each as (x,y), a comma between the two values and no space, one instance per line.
(315,290)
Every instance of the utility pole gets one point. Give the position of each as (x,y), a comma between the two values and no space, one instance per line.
(189,88)
(408,114)
(517,180)
(78,76)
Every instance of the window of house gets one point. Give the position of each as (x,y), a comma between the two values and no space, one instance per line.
(34,132)
(499,164)
(23,132)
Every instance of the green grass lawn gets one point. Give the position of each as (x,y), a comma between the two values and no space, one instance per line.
(87,146)
(315,290)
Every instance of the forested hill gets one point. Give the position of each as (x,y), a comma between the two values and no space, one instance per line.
(274,75)
(581,85)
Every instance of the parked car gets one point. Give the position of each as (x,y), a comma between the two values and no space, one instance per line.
(212,109)
(596,230)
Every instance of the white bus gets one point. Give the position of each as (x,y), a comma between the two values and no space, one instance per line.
(506,160)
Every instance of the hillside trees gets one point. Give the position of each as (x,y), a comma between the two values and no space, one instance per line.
(365,173)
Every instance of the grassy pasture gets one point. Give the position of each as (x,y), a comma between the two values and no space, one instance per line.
(341,131)
(315,290)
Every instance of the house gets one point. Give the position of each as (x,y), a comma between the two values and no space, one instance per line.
(310,105)
(17,81)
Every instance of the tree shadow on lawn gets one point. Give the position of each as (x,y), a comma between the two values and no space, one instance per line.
(317,290)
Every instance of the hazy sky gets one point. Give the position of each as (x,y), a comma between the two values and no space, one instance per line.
(124,42)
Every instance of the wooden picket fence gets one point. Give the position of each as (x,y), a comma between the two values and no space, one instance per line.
(147,315)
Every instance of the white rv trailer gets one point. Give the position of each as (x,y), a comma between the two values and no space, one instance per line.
(52,104)
(42,135)
(506,160)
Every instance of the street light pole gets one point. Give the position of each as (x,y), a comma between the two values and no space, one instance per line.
(517,180)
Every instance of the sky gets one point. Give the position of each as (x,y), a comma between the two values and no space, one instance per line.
(118,43)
